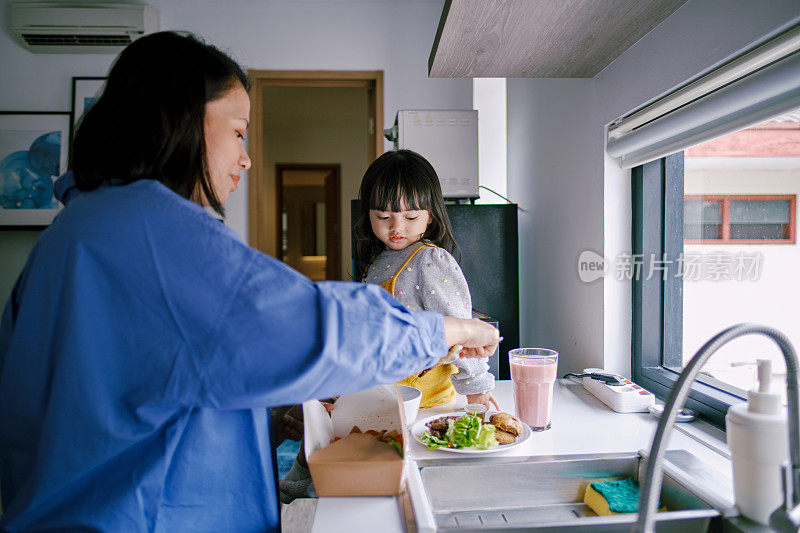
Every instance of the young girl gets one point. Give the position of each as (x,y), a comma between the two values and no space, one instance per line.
(404,239)
(404,243)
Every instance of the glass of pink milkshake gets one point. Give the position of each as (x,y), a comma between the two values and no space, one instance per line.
(533,371)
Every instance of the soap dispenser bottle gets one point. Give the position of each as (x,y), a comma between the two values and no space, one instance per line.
(758,438)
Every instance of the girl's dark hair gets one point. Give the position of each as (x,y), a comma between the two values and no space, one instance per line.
(390,179)
(148,122)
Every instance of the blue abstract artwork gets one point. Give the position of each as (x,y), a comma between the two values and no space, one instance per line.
(26,176)
(85,92)
(33,154)
(87,102)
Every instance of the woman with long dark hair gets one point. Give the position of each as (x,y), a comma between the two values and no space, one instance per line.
(144,341)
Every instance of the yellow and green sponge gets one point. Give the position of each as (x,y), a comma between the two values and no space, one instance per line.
(615,496)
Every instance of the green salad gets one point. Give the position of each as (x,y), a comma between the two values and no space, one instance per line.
(464,432)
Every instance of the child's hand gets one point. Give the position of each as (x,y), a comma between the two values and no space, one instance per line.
(484,398)
(288,427)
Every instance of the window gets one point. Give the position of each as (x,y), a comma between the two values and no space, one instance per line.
(715,173)
(739,219)
(710,217)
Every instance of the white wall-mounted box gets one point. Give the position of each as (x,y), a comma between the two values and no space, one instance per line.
(449,140)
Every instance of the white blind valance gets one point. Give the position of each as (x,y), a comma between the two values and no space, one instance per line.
(752,88)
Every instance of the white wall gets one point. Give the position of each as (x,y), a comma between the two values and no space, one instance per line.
(489,98)
(556,135)
(554,174)
(395,36)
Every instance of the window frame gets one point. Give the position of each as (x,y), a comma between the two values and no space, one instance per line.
(725,200)
(657,328)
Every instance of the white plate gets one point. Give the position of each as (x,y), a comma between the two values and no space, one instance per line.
(419,429)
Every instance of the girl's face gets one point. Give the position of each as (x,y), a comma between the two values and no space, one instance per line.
(226,122)
(399,229)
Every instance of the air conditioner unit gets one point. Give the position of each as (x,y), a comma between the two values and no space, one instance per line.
(52,28)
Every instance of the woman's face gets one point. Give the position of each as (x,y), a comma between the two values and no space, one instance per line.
(226,122)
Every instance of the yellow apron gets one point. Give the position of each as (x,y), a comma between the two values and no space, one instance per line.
(435,384)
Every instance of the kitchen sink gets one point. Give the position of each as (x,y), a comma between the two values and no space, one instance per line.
(545,493)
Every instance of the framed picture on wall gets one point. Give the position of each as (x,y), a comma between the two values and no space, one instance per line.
(84,93)
(33,154)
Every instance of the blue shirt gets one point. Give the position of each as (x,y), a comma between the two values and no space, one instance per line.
(139,350)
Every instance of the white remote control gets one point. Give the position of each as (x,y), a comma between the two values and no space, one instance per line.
(619,393)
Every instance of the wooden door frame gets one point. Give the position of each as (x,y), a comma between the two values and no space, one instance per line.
(333,218)
(259,79)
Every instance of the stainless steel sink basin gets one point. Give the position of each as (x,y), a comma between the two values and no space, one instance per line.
(546,493)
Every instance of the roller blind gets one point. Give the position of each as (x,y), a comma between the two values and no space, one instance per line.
(756,86)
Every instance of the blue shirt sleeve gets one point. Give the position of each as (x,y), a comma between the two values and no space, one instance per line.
(283,339)
(249,331)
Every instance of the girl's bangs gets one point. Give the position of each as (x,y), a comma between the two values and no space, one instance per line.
(389,194)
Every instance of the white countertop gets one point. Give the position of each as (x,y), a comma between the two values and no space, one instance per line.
(581,424)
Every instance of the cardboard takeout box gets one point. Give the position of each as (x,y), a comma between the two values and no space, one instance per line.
(360,466)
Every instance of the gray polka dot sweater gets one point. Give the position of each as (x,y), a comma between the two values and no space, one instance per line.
(433,281)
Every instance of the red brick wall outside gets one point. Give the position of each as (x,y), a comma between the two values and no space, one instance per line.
(770,139)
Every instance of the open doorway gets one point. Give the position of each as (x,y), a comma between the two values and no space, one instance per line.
(309,118)
(309,218)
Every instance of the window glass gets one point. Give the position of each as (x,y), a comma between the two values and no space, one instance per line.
(702,219)
(759,219)
(740,210)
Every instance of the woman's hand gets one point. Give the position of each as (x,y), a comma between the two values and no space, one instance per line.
(484,398)
(478,338)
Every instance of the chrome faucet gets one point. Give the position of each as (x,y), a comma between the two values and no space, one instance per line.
(787,516)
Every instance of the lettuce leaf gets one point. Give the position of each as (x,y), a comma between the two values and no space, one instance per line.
(463,432)
(432,442)
(397,446)
(486,438)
